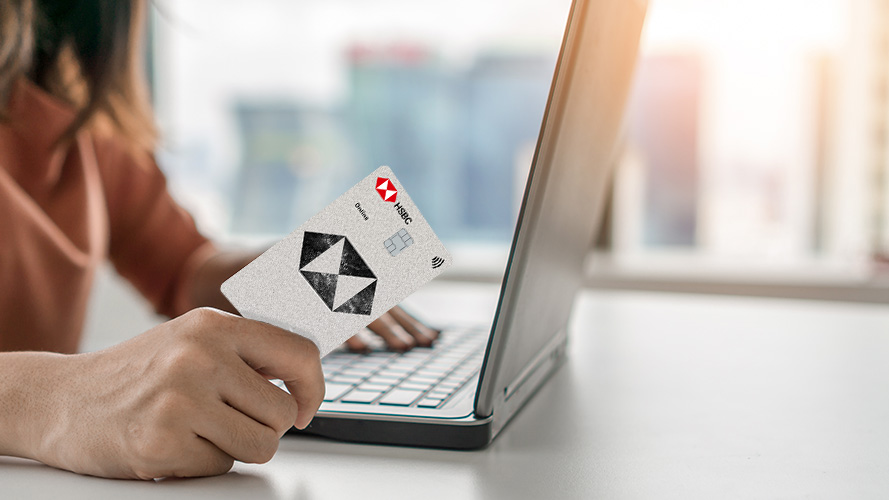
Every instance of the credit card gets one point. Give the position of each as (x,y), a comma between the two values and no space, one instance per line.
(344,267)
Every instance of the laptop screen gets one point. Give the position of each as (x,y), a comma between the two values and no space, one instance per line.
(564,197)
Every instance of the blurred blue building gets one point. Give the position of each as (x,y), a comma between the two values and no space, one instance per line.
(402,111)
(504,97)
(290,155)
(453,136)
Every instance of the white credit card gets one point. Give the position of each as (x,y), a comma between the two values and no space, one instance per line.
(344,267)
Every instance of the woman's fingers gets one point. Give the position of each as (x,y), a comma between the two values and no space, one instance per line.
(200,458)
(252,394)
(421,333)
(392,332)
(357,344)
(291,358)
(398,329)
(236,434)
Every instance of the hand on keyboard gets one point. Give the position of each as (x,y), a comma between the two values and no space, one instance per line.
(399,330)
(421,378)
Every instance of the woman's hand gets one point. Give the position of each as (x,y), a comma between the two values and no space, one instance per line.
(185,398)
(399,330)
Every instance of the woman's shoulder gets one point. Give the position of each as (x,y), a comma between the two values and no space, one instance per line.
(32,122)
(35,113)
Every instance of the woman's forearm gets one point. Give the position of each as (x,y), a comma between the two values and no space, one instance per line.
(205,289)
(27,381)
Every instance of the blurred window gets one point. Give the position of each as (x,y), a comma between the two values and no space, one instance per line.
(273,108)
(756,132)
(756,136)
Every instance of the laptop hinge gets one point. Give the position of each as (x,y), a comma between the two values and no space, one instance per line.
(547,352)
(516,394)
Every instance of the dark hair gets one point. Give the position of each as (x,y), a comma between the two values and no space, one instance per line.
(84,52)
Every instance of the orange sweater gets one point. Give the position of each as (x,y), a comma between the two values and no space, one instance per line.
(63,211)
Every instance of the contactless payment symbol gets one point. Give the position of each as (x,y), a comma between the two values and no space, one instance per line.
(386,189)
(340,277)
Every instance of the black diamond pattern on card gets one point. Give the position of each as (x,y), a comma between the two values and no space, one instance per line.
(333,268)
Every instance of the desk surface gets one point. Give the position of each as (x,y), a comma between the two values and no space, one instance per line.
(663,396)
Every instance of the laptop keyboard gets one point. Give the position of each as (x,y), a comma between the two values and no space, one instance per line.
(424,377)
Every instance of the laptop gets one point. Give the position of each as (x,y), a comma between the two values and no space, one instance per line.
(461,392)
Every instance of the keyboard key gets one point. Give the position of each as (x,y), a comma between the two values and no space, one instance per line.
(441,372)
(447,369)
(341,357)
(364,365)
(463,349)
(449,384)
(415,386)
(359,396)
(429,403)
(345,379)
(418,355)
(400,397)
(383,379)
(380,354)
(357,372)
(418,352)
(439,393)
(441,364)
(429,379)
(366,386)
(415,361)
(332,391)
(432,372)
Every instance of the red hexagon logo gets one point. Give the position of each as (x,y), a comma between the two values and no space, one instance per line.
(386,189)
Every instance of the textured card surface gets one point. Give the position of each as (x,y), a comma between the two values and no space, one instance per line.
(344,267)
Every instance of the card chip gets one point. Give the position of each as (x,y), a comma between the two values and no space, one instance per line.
(398,242)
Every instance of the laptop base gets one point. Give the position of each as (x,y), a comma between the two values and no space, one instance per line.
(461,434)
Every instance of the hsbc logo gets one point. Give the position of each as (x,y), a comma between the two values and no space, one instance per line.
(386,189)
(388,192)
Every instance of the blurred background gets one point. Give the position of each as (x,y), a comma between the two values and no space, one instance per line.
(755,158)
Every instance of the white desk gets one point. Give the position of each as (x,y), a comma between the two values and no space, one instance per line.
(664,396)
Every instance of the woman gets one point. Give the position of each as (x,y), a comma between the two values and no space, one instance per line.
(78,184)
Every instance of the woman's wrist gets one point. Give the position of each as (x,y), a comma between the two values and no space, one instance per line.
(28,382)
(215,270)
